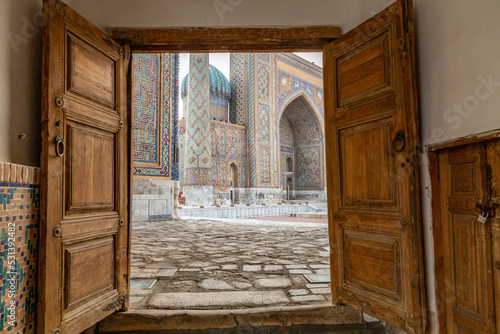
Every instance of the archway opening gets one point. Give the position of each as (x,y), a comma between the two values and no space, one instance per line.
(289,165)
(302,153)
(234,182)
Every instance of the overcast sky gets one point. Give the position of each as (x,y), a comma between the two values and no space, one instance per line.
(221,61)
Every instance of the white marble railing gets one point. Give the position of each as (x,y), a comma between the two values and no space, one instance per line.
(241,211)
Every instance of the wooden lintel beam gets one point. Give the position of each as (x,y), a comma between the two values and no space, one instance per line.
(279,39)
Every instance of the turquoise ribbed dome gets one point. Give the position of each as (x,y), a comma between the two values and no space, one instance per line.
(219,85)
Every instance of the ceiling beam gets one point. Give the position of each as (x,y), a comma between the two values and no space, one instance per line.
(276,39)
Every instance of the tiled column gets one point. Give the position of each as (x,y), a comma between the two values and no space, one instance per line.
(198,188)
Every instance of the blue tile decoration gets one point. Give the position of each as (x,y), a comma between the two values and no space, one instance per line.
(19,204)
(155,78)
(142,283)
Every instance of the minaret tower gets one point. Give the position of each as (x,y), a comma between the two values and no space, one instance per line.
(198,189)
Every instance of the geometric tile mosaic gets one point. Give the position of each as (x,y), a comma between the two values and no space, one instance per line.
(291,85)
(265,166)
(238,85)
(263,82)
(197,163)
(155,114)
(264,123)
(19,223)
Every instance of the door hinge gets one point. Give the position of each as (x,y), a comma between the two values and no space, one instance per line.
(121,51)
(400,100)
(410,322)
(329,52)
(60,9)
(415,285)
(401,43)
(59,101)
(57,232)
(121,299)
(405,223)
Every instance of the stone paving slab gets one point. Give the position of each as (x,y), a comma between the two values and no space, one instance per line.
(186,321)
(229,256)
(203,300)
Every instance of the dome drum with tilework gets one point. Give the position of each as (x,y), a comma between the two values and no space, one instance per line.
(220,94)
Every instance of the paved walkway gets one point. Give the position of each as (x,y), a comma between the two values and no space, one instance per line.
(228,263)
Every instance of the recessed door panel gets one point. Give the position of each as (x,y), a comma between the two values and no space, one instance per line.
(364,72)
(92,258)
(91,73)
(92,169)
(373,262)
(366,164)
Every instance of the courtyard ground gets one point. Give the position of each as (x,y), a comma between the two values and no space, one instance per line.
(229,263)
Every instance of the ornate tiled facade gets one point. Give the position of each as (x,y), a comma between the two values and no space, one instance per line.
(263,88)
(233,151)
(265,165)
(275,117)
(155,82)
(238,83)
(252,172)
(308,173)
(264,123)
(290,85)
(197,161)
(19,224)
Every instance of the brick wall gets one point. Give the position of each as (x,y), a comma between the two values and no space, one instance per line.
(19,207)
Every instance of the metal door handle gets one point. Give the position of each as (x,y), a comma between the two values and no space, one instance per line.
(400,137)
(60,146)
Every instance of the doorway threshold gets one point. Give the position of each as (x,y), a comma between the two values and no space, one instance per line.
(338,318)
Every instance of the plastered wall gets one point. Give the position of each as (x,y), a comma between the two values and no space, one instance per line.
(459,83)
(229,13)
(459,69)
(20,80)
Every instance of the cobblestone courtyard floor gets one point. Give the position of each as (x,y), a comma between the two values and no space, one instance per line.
(229,263)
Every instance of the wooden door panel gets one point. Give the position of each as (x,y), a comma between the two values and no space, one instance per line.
(373,262)
(91,73)
(466,241)
(90,258)
(373,177)
(367,165)
(91,169)
(468,256)
(365,72)
(84,240)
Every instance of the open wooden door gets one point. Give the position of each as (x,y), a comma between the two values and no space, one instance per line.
(84,239)
(373,175)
